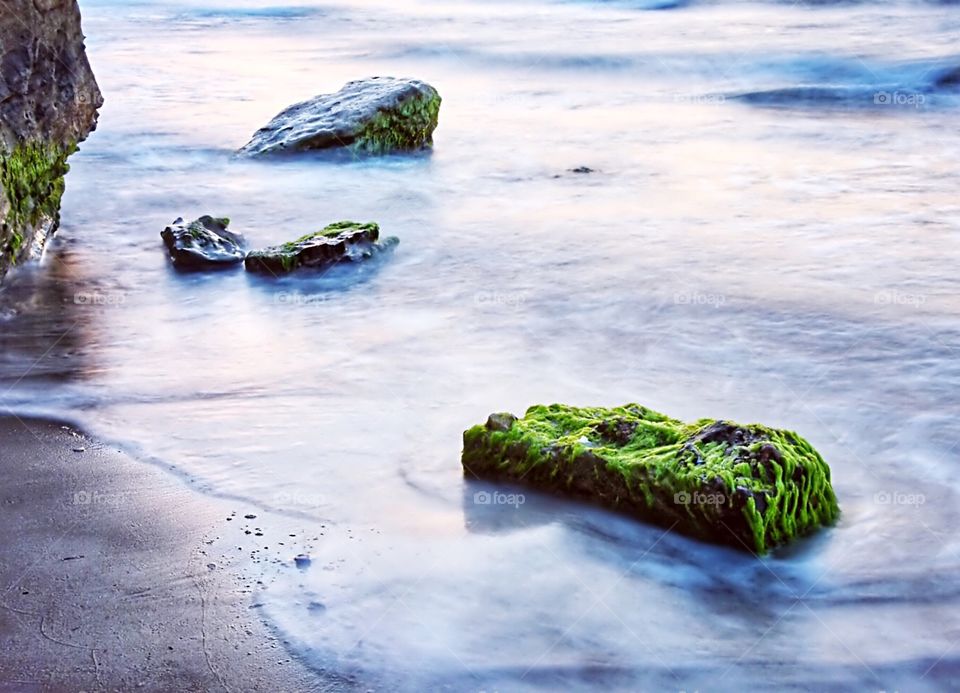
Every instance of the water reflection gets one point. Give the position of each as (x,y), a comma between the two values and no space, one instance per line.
(49,320)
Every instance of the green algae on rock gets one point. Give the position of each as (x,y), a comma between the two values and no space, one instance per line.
(378,115)
(32,179)
(48,103)
(343,241)
(751,487)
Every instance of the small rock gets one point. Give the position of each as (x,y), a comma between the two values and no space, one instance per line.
(582,170)
(302,560)
(203,243)
(343,241)
(502,421)
(250,517)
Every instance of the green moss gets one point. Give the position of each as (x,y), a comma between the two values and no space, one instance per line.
(408,127)
(32,176)
(332,231)
(335,243)
(752,487)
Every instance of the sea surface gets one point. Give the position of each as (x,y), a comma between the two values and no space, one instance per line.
(770,232)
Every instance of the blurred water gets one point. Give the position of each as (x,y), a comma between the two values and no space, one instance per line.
(765,237)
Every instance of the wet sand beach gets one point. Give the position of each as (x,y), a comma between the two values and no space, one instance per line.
(108,582)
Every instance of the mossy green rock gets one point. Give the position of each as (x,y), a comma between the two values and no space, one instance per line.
(751,487)
(344,241)
(48,103)
(378,115)
(32,179)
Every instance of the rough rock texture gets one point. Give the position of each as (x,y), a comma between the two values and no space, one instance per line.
(750,487)
(344,241)
(48,103)
(375,116)
(203,243)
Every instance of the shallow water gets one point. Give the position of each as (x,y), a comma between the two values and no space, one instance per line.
(745,249)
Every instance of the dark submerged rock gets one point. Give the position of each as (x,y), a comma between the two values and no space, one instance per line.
(48,104)
(751,487)
(203,243)
(375,116)
(949,79)
(343,241)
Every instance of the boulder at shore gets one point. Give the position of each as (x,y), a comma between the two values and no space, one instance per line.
(375,116)
(344,241)
(48,103)
(750,487)
(203,243)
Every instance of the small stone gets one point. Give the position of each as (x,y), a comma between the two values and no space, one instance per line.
(203,243)
(502,421)
(302,560)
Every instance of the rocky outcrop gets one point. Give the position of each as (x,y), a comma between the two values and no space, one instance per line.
(344,241)
(374,116)
(751,487)
(204,243)
(48,104)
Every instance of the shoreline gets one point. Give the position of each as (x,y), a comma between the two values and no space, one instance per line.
(117,576)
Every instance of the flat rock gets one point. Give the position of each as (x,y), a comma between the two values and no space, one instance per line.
(205,242)
(375,116)
(343,241)
(750,487)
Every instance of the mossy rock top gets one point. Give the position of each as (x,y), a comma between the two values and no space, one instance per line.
(748,486)
(378,115)
(342,241)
